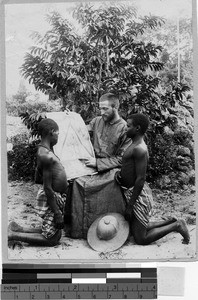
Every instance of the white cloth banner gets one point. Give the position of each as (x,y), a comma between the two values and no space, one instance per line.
(74,143)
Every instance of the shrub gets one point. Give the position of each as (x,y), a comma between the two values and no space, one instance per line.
(182,137)
(15,108)
(162,159)
(19,138)
(32,121)
(22,161)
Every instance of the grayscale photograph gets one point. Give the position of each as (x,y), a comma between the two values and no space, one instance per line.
(99,131)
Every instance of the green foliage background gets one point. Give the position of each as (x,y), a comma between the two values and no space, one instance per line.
(118,51)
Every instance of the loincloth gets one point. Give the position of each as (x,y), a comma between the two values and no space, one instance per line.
(44,211)
(143,205)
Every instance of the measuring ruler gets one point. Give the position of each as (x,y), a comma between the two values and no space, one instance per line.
(133,283)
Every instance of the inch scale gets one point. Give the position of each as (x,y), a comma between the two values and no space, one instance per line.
(80,284)
(80,291)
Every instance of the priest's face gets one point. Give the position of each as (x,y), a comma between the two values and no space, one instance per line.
(107,111)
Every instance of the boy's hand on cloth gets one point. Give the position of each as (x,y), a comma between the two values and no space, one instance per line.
(59,220)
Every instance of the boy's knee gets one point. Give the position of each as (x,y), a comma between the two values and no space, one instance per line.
(140,240)
(139,233)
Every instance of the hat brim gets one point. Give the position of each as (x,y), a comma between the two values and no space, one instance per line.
(110,245)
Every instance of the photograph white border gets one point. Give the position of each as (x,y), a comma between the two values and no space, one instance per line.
(3,133)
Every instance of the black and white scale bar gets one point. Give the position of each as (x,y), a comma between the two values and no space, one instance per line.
(76,276)
(87,283)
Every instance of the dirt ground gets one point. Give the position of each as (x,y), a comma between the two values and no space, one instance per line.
(21,203)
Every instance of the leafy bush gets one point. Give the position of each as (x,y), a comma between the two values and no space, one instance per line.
(19,138)
(183,137)
(32,121)
(162,159)
(111,56)
(15,108)
(22,161)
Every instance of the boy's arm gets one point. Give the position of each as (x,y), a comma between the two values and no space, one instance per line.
(38,176)
(140,157)
(47,184)
(90,126)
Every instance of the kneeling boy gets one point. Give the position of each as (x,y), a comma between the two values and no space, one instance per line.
(51,198)
(137,193)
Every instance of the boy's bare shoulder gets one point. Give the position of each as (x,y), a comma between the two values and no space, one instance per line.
(140,150)
(45,157)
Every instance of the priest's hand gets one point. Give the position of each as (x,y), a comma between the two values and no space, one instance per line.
(90,162)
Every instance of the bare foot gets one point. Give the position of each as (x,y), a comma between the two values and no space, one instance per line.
(183,230)
(13,226)
(10,234)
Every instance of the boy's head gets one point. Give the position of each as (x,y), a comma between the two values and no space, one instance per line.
(137,124)
(108,105)
(49,128)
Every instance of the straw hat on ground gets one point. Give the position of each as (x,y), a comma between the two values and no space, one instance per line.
(108,232)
